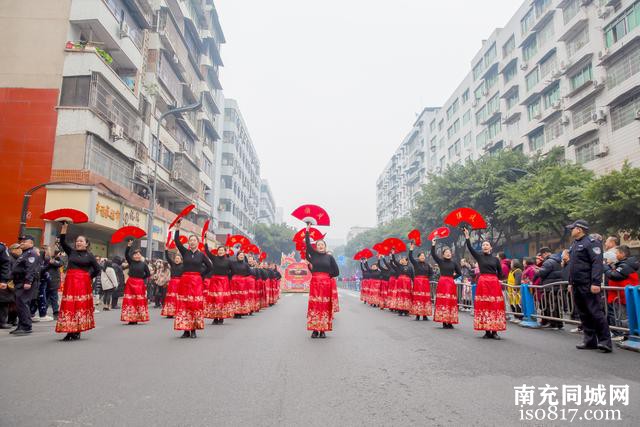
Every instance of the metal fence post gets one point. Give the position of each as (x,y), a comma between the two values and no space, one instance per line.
(633,315)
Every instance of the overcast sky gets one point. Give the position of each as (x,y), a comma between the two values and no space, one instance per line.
(330,88)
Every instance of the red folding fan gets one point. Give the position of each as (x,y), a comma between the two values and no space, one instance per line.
(465,215)
(66,215)
(396,244)
(230,252)
(237,239)
(129,231)
(439,233)
(205,228)
(183,241)
(262,257)
(382,248)
(415,236)
(314,234)
(312,214)
(182,214)
(366,253)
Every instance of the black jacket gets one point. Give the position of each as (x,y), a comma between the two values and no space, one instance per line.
(585,262)
(26,269)
(551,270)
(621,270)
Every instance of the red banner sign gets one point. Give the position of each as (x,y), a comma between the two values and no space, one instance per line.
(296,278)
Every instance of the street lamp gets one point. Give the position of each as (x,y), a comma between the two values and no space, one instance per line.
(155,156)
(27,198)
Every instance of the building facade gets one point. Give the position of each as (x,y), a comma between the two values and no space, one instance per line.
(267,208)
(239,175)
(561,73)
(120,65)
(354,231)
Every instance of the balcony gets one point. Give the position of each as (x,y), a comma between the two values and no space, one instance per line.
(574,25)
(97,18)
(185,171)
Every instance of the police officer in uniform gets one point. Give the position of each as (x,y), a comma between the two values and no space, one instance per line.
(25,279)
(5,295)
(585,280)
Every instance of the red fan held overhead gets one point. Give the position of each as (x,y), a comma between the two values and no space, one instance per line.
(66,215)
(382,248)
(314,234)
(253,249)
(205,228)
(263,256)
(466,215)
(127,232)
(415,236)
(439,233)
(365,253)
(230,252)
(182,214)
(395,244)
(312,214)
(183,241)
(237,239)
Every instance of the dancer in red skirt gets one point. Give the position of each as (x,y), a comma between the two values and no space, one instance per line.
(276,282)
(190,299)
(217,302)
(323,267)
(385,274)
(170,300)
(240,273)
(392,293)
(135,307)
(403,283)
(421,294)
(446,310)
(76,308)
(364,283)
(374,285)
(252,285)
(488,305)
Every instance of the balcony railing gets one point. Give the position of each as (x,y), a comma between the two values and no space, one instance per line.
(185,171)
(105,101)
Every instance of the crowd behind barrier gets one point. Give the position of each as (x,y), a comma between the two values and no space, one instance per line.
(534,306)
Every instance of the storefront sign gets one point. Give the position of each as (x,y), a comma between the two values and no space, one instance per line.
(296,278)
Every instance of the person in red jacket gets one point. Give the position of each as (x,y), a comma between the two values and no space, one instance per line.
(624,272)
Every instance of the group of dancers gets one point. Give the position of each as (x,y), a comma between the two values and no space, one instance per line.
(402,285)
(203,286)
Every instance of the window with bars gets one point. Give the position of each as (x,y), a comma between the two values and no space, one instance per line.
(587,151)
(536,140)
(582,114)
(509,46)
(577,42)
(581,77)
(622,70)
(548,65)
(553,129)
(625,113)
(551,96)
(533,110)
(493,104)
(622,25)
(107,162)
(570,10)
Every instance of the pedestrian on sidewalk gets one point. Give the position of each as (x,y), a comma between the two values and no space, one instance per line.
(109,281)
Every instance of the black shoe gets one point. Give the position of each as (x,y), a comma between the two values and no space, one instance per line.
(215,322)
(425,318)
(15,330)
(314,334)
(495,336)
(605,348)
(220,321)
(417,317)
(21,332)
(322,335)
(186,334)
(5,326)
(584,346)
(169,317)
(67,337)
(132,323)
(193,334)
(487,335)
(76,336)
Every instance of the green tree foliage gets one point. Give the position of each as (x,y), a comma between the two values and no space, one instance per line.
(274,239)
(614,202)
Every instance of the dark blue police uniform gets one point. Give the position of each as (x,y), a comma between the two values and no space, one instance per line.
(25,271)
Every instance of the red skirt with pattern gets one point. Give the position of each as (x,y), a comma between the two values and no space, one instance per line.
(446,310)
(76,307)
(135,307)
(271,291)
(421,297)
(252,294)
(262,292)
(403,293)
(217,298)
(169,306)
(488,305)
(392,293)
(364,289)
(334,295)
(190,303)
(239,295)
(374,290)
(320,308)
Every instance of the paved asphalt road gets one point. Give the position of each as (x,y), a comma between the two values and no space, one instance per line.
(375,369)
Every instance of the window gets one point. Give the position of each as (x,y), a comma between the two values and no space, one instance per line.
(479,92)
(512,99)
(432,125)
(553,129)
(625,113)
(581,77)
(457,148)
(546,33)
(207,166)
(490,56)
(493,104)
(481,139)
(107,162)
(510,72)
(440,125)
(494,129)
(492,79)
(467,140)
(75,91)
(527,22)
(532,79)
(481,115)
(536,140)
(627,66)
(441,143)
(582,114)
(626,22)
(533,110)
(451,152)
(570,10)
(577,42)
(478,69)
(530,48)
(465,96)
(453,108)
(466,118)
(587,152)
(509,46)
(450,131)
(541,7)
(548,65)
(551,96)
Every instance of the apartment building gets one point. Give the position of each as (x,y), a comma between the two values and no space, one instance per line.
(120,64)
(559,73)
(239,175)
(267,207)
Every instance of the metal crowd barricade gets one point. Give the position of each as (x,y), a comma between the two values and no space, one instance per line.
(632,294)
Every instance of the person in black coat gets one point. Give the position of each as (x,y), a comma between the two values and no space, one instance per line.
(550,272)
(116,263)
(25,277)
(6,295)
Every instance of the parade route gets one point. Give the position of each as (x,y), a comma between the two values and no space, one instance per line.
(375,369)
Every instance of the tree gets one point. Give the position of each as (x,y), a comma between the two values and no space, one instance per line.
(274,239)
(613,202)
(544,201)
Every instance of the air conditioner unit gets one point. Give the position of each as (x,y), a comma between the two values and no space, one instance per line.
(564,120)
(597,84)
(602,150)
(537,116)
(603,54)
(175,58)
(556,74)
(124,29)
(117,132)
(604,11)
(637,116)
(474,103)
(556,105)
(524,66)
(599,116)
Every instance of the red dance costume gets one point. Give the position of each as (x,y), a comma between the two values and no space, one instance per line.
(334,295)
(446,310)
(421,297)
(402,299)
(239,295)
(170,299)
(488,306)
(135,307)
(217,301)
(320,308)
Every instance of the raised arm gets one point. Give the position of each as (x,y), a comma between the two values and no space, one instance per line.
(435,256)
(65,246)
(176,239)
(168,258)
(411,258)
(307,240)
(473,252)
(335,271)
(127,255)
(207,252)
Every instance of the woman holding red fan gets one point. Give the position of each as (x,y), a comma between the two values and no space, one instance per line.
(217,302)
(405,274)
(323,267)
(446,310)
(385,273)
(170,299)
(240,272)
(365,296)
(134,303)
(421,295)
(76,308)
(190,300)
(488,308)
